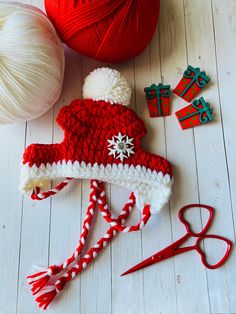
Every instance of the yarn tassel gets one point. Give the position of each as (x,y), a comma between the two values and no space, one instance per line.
(39,280)
(46,297)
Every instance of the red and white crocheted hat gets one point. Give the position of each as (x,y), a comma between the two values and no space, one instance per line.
(102,141)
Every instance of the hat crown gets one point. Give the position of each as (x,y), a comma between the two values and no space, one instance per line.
(100,115)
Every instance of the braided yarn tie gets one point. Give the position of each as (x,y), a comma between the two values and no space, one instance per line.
(40,279)
(116,223)
(47,294)
(36,195)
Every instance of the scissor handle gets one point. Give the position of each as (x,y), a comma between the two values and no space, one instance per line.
(203,254)
(187,224)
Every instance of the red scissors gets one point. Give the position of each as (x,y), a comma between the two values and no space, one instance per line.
(175,249)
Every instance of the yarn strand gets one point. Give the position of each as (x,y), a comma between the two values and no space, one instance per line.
(36,195)
(115,222)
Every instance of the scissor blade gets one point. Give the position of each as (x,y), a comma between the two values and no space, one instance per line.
(165,253)
(147,262)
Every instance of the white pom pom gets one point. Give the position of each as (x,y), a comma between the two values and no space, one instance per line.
(108,85)
(31,63)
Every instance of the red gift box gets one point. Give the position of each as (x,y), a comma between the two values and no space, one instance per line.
(158,100)
(192,82)
(197,113)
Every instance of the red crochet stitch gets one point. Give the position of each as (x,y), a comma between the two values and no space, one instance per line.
(102,141)
(88,126)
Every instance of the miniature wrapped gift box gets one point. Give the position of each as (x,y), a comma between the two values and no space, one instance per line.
(197,113)
(158,100)
(192,82)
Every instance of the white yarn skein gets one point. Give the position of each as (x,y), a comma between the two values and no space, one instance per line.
(31,63)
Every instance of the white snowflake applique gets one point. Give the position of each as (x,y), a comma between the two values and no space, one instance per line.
(121,146)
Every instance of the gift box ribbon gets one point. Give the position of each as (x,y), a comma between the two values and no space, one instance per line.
(197,74)
(201,107)
(160,91)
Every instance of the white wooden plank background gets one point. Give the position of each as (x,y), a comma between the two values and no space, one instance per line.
(201,33)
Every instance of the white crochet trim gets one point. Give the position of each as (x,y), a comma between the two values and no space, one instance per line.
(150,187)
(108,85)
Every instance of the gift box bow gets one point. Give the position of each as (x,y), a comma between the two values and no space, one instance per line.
(202,109)
(195,75)
(157,91)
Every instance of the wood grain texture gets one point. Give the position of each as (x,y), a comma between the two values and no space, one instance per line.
(201,33)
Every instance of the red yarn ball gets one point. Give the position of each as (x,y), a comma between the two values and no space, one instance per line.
(107,30)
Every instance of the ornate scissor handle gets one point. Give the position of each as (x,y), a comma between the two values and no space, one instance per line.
(203,254)
(187,224)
